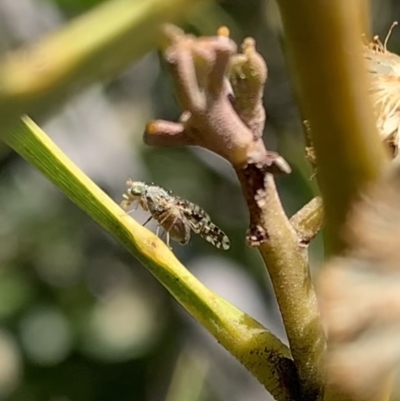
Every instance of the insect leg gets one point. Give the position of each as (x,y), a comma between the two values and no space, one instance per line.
(184,229)
(147,221)
(160,220)
(171,225)
(164,216)
(132,210)
(125,204)
(167,240)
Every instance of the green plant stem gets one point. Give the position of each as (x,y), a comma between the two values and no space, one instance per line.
(308,221)
(286,261)
(254,346)
(364,15)
(324,45)
(97,45)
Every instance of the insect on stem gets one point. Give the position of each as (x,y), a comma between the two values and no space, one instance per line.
(177,216)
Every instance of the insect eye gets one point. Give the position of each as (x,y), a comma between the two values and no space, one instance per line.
(136,190)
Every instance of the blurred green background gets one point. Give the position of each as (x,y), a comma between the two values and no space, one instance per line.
(81,320)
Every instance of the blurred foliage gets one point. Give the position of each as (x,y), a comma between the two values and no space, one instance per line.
(81,320)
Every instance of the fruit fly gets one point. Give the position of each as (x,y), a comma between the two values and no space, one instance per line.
(178,217)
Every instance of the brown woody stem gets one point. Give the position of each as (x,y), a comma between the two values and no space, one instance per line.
(229,120)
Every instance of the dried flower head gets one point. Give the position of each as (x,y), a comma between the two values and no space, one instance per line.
(384,73)
(359,294)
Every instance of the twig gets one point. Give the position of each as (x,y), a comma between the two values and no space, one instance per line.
(230,123)
(210,121)
(308,221)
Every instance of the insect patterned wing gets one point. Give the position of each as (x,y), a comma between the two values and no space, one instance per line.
(202,225)
(196,216)
(213,234)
